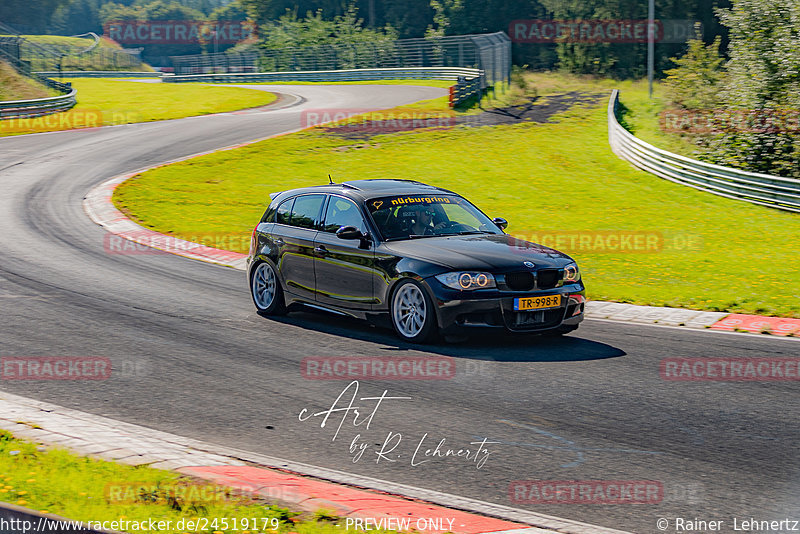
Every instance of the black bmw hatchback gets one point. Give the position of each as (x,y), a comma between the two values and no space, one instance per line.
(423,256)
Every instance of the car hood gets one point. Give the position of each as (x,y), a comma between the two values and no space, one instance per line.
(496,252)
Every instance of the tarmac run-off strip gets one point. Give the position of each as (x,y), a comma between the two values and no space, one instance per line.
(127,237)
(299,486)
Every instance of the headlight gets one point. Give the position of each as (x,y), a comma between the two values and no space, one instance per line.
(571,273)
(467,280)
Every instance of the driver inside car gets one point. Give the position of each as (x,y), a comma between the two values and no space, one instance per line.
(423,221)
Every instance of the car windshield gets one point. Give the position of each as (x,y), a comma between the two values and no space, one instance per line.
(411,217)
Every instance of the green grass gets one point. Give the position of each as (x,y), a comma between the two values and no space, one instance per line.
(14,86)
(61,40)
(555,177)
(102,102)
(91,60)
(79,488)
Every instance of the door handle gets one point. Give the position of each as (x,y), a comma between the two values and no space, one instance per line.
(321,250)
(279,242)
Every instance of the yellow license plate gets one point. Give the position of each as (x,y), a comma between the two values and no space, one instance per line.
(537,303)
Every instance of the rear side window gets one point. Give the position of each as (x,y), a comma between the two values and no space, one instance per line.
(305,212)
(269,215)
(284,212)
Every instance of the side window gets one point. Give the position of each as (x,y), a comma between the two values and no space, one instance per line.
(269,215)
(342,212)
(284,211)
(305,212)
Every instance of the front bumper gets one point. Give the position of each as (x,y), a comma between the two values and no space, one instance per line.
(460,310)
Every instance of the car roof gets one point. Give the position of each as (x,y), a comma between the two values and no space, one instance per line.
(366,189)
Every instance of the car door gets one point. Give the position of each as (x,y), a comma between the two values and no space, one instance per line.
(296,226)
(344,268)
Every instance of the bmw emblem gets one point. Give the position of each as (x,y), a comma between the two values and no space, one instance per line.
(528,264)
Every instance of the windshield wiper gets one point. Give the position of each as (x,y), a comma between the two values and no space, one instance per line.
(420,236)
(468,232)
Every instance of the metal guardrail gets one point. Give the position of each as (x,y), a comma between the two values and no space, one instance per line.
(440,73)
(100,74)
(464,89)
(36,107)
(469,82)
(763,189)
(16,109)
(10,51)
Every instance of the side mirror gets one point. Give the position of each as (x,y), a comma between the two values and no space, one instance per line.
(349,232)
(501,222)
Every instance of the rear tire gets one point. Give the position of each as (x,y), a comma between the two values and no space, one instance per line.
(412,312)
(266,290)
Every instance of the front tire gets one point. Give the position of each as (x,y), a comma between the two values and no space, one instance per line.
(412,312)
(266,290)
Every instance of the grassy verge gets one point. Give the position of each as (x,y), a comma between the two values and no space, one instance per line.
(14,86)
(84,489)
(102,102)
(558,177)
(62,40)
(91,60)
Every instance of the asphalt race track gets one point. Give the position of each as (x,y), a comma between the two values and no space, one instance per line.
(194,358)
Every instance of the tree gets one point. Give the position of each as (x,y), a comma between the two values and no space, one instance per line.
(749,102)
(411,18)
(763,79)
(695,82)
(27,16)
(764,65)
(112,12)
(289,31)
(267,11)
(77,17)
(232,11)
(158,10)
